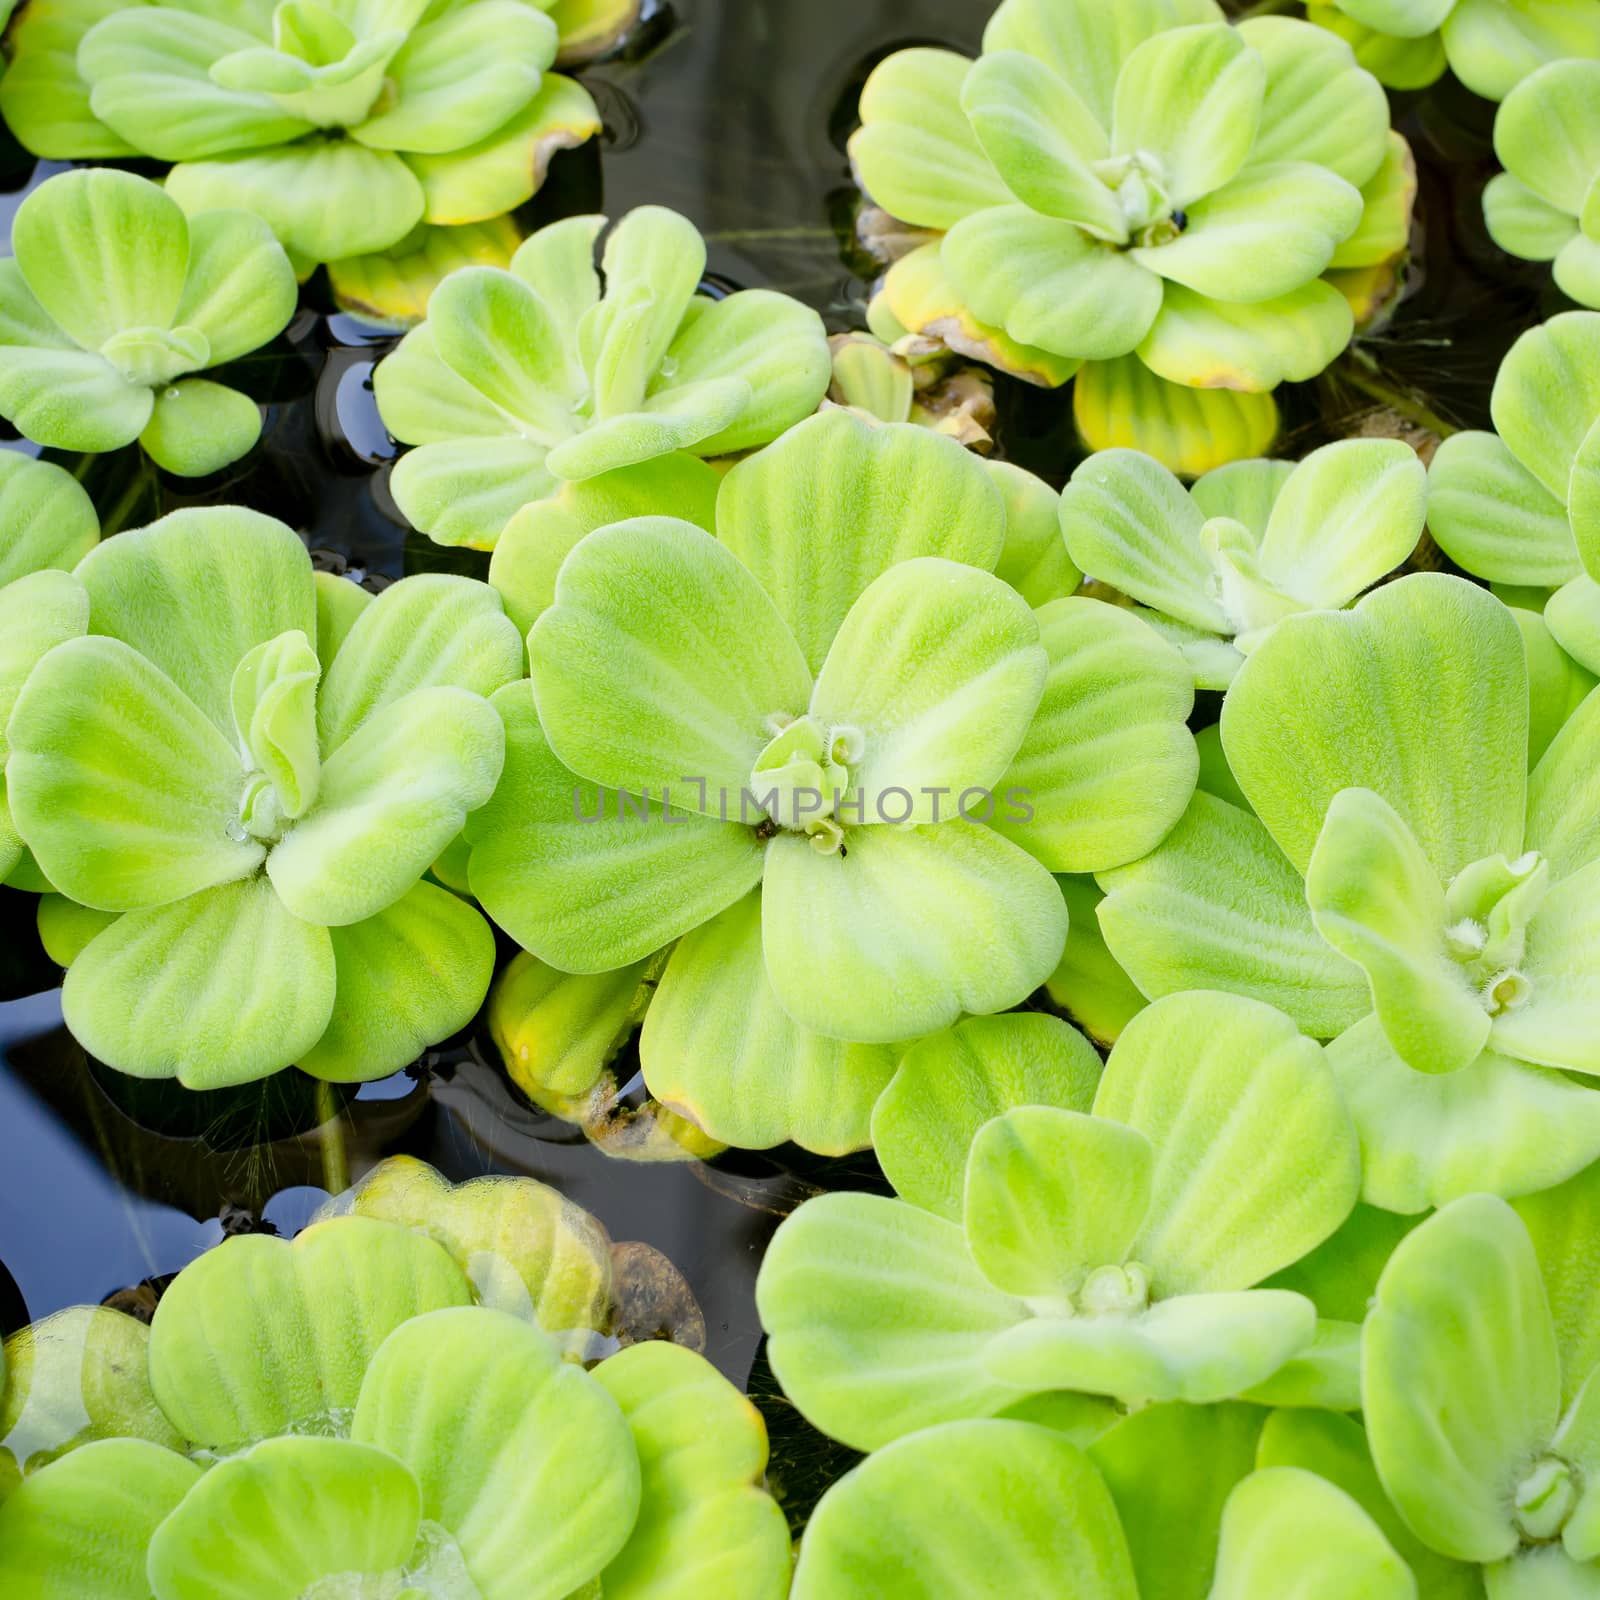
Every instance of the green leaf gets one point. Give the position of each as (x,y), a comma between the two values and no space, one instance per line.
(589,879)
(1388,202)
(1043,141)
(1052,1195)
(222,987)
(464,491)
(836,502)
(1376,899)
(461,76)
(718,1048)
(1321,105)
(1406,19)
(680,419)
(149,72)
(73,1377)
(1170,1518)
(506,168)
(877,1319)
(428,631)
(1541,1573)
(879,946)
(44,101)
(393,795)
(1089,986)
(1521,223)
(274,696)
(79,1529)
(1324,1375)
(1557,683)
(1460,1379)
(1496,1126)
(529,552)
(915,153)
(198,427)
(1216,906)
(947,1086)
(691,656)
(46,519)
(260,1336)
(1285,1525)
(65,927)
(423,400)
(1425,653)
(1346,516)
(1564,794)
(1491,516)
(706,1524)
(975,1508)
(1203,1075)
(1547,133)
(53,392)
(118,782)
(103,252)
(455,1393)
(1190,97)
(405,979)
(557,263)
(938,665)
(1266,233)
(227,580)
(1493,47)
(1199,1348)
(1558,1220)
(1047,283)
(275,1521)
(240,290)
(1214,344)
(1547,396)
(1088,43)
(1577,271)
(767,341)
(1034,560)
(1556,1026)
(1108,763)
(325,199)
(1245,491)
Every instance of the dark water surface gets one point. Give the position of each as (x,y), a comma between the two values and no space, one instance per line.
(734,112)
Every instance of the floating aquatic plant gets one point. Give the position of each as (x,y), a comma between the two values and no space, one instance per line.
(1402,882)
(343,126)
(248,786)
(1216,568)
(367,1424)
(523,379)
(788,745)
(1058,1233)
(1111,183)
(1490,45)
(904,381)
(112,304)
(1547,135)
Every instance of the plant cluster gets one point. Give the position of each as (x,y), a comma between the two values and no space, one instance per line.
(335,1416)
(799,736)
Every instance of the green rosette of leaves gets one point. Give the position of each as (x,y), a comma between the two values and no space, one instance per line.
(521,380)
(832,760)
(47,525)
(1479,1390)
(1065,1233)
(1403,882)
(344,126)
(1217,567)
(1490,45)
(114,301)
(1546,205)
(1143,188)
(245,774)
(1521,506)
(364,1428)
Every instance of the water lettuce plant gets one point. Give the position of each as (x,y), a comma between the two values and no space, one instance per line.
(787,745)
(366,1427)
(522,379)
(1216,567)
(1402,882)
(247,776)
(903,380)
(1150,182)
(114,301)
(1490,45)
(1486,1444)
(342,126)
(1058,1233)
